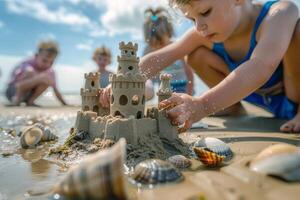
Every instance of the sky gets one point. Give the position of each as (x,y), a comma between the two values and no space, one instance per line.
(79,26)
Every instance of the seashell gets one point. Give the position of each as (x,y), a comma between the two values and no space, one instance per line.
(274,150)
(99,176)
(212,151)
(283,165)
(180,161)
(30,137)
(155,171)
(47,133)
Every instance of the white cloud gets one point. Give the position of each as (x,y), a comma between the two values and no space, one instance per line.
(39,10)
(1,24)
(86,46)
(120,18)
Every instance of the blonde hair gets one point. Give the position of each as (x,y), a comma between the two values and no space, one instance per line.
(157,24)
(49,46)
(103,51)
(179,2)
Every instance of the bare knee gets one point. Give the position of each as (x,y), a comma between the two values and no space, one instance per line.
(198,57)
(28,73)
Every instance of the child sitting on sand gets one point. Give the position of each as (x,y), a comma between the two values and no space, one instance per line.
(241,50)
(33,76)
(102,57)
(158,32)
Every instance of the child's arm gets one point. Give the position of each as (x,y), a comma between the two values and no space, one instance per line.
(156,61)
(59,96)
(273,42)
(190,78)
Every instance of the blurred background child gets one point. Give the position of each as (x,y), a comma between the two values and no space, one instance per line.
(158,33)
(102,57)
(34,75)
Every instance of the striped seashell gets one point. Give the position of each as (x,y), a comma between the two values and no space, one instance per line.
(47,133)
(284,165)
(216,146)
(180,161)
(30,137)
(154,171)
(208,158)
(99,176)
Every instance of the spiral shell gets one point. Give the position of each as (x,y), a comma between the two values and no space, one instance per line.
(99,176)
(47,133)
(154,171)
(30,137)
(212,152)
(280,160)
(180,161)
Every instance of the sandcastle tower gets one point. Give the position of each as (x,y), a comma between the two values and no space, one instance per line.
(165,90)
(90,94)
(128,85)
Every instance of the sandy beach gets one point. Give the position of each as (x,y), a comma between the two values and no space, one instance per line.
(24,171)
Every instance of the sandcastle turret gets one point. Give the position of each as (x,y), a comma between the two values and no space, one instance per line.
(90,93)
(165,90)
(128,85)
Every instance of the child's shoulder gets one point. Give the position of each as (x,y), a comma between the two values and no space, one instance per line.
(282,8)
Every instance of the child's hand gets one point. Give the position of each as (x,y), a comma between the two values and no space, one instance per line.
(183,112)
(104,97)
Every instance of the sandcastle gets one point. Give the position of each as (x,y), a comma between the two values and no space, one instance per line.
(127,116)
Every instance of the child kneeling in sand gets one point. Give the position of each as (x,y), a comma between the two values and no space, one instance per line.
(241,50)
(33,76)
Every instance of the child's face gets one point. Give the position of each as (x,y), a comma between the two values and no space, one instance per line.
(214,19)
(102,61)
(44,60)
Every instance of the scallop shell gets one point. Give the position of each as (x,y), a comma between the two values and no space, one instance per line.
(30,137)
(99,176)
(274,150)
(212,152)
(154,171)
(180,161)
(284,165)
(47,133)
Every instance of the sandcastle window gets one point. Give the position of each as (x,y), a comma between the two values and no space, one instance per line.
(112,99)
(96,109)
(123,100)
(132,53)
(119,68)
(93,83)
(130,67)
(139,115)
(135,100)
(143,100)
(118,113)
(86,108)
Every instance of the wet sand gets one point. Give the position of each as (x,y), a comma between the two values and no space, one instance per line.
(27,170)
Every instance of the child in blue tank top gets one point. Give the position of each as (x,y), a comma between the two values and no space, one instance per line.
(241,50)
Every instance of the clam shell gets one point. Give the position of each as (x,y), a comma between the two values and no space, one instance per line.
(180,161)
(30,137)
(212,151)
(154,171)
(274,150)
(284,165)
(207,157)
(99,176)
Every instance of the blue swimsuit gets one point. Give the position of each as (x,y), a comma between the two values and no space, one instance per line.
(278,104)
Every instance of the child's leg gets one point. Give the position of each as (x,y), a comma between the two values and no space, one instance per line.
(30,80)
(212,69)
(292,79)
(37,92)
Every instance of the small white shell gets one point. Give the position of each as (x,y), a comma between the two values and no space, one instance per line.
(47,133)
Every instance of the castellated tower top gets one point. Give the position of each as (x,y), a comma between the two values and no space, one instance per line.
(92,81)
